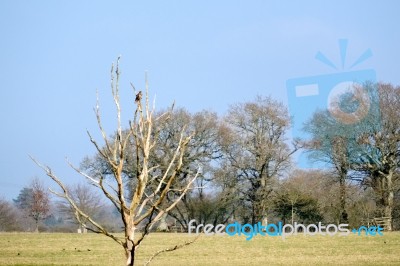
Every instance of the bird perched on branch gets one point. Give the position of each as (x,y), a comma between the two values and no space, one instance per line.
(138,97)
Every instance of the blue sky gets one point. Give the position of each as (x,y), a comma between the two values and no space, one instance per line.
(54,55)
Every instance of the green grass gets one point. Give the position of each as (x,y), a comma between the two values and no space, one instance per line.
(90,249)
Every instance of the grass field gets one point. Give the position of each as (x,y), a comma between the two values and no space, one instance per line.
(90,249)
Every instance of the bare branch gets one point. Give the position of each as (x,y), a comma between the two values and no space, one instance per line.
(102,131)
(172,249)
(91,179)
(66,196)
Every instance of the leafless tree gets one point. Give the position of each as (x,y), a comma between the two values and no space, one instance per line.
(368,147)
(34,201)
(86,199)
(143,204)
(256,148)
(202,149)
(379,159)
(8,217)
(331,143)
(40,207)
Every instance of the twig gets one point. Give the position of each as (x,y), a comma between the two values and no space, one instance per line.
(171,249)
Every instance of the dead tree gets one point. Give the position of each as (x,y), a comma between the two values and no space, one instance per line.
(145,204)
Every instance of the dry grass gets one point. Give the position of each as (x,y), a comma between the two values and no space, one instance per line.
(73,249)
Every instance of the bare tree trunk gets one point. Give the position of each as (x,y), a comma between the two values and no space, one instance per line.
(342,193)
(389,199)
(292,213)
(36,226)
(129,242)
(383,187)
(130,256)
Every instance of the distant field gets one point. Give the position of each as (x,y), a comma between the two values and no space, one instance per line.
(90,249)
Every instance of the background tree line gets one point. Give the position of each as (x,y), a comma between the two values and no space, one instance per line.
(246,169)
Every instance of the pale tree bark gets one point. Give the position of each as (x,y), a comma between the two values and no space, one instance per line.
(143,205)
